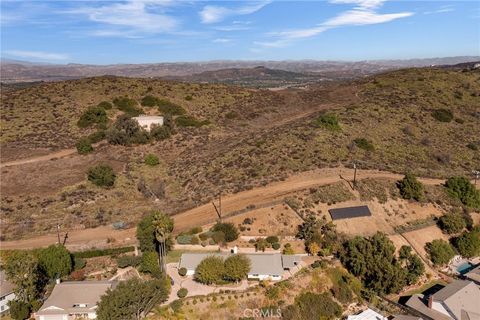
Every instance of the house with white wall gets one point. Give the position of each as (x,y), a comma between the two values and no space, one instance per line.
(263,266)
(74,300)
(6,292)
(147,122)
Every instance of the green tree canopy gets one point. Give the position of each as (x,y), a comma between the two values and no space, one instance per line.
(236,267)
(84,146)
(210,270)
(55,261)
(373,260)
(228,229)
(150,264)
(22,270)
(101,175)
(19,310)
(452,223)
(462,189)
(440,251)
(146,234)
(411,188)
(93,115)
(132,299)
(468,243)
(310,305)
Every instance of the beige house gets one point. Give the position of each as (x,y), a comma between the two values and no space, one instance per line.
(6,292)
(459,300)
(74,300)
(147,122)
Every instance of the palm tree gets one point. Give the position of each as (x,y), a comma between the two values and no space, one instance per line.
(163,227)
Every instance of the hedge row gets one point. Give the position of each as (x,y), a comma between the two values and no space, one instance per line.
(101,253)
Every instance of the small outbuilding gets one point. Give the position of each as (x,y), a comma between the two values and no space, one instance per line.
(147,122)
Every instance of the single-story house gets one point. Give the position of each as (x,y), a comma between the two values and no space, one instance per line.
(146,122)
(459,300)
(263,266)
(74,299)
(6,292)
(368,314)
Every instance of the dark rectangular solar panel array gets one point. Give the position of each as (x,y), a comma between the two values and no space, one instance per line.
(350,212)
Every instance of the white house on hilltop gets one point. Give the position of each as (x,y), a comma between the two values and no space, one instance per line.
(74,300)
(146,122)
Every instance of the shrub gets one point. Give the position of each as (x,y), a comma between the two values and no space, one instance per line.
(176,305)
(188,98)
(167,107)
(127,105)
(468,244)
(55,261)
(276,246)
(452,223)
(91,116)
(287,249)
(472,146)
(210,270)
(228,229)
(195,240)
(128,261)
(184,239)
(272,239)
(189,121)
(126,131)
(182,271)
(204,236)
(182,293)
(160,132)
(149,264)
(443,115)
(78,263)
(151,160)
(19,310)
(105,105)
(410,187)
(101,175)
(440,251)
(261,244)
(236,267)
(310,305)
(78,275)
(462,189)
(364,144)
(84,146)
(319,264)
(195,231)
(328,121)
(97,136)
(149,101)
(342,292)
(102,252)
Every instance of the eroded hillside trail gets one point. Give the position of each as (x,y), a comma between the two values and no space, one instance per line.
(205,214)
(47,157)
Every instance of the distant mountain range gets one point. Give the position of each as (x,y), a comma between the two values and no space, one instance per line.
(217,71)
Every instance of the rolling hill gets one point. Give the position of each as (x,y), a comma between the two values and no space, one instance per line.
(421,120)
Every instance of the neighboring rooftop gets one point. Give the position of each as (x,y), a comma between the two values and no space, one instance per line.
(418,302)
(6,287)
(368,314)
(405,317)
(144,117)
(75,297)
(350,212)
(460,295)
(474,274)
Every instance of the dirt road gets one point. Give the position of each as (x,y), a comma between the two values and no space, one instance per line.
(205,214)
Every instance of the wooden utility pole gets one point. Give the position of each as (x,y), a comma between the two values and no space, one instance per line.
(354,174)
(219,209)
(58,233)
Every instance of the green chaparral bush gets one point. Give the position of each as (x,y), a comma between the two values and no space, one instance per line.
(151,160)
(84,146)
(93,115)
(101,175)
(182,293)
(328,121)
(443,115)
(364,144)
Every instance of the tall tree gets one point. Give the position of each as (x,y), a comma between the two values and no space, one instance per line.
(132,299)
(22,270)
(236,267)
(55,261)
(163,227)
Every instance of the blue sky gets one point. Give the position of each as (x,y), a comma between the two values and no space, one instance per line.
(142,31)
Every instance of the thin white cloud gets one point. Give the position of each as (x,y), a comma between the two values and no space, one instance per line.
(222,40)
(40,55)
(133,18)
(442,9)
(213,14)
(365,12)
